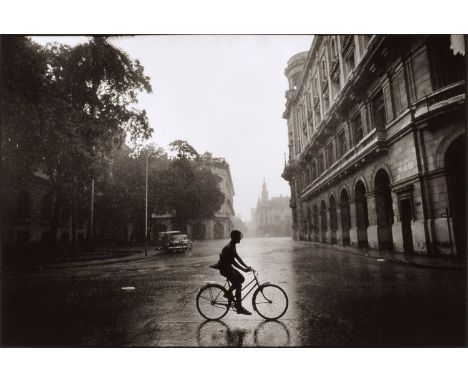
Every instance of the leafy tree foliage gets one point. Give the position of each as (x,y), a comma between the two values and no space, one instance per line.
(120,197)
(67,112)
(66,108)
(183,149)
(192,189)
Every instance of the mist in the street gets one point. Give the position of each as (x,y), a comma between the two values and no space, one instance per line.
(335,299)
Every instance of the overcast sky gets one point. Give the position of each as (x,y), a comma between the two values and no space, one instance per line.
(223,94)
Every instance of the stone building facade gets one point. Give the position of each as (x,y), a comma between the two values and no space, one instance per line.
(272,217)
(28,206)
(376,128)
(222,224)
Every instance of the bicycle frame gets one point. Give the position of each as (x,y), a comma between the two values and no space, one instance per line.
(254,280)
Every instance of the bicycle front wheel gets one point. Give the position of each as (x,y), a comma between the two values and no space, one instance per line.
(270,301)
(211,302)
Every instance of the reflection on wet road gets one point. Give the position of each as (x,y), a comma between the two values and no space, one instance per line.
(335,299)
(263,334)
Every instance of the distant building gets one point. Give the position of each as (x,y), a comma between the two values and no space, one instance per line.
(376,130)
(272,217)
(28,207)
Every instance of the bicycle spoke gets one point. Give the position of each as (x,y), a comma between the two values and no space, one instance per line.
(275,300)
(210,302)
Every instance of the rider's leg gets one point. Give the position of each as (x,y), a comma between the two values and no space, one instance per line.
(238,279)
(229,276)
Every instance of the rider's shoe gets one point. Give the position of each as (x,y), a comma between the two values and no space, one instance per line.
(242,310)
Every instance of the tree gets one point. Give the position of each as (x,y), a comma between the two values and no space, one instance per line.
(183,149)
(23,68)
(191,190)
(82,104)
(120,203)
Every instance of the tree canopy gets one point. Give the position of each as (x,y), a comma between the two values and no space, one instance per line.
(68,112)
(66,108)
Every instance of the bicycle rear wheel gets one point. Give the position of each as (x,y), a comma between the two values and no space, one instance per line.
(211,302)
(270,301)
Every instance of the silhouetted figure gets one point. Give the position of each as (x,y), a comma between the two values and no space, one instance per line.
(228,259)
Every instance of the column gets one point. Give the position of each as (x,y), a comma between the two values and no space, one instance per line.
(329,235)
(339,231)
(372,229)
(397,231)
(366,126)
(387,98)
(353,234)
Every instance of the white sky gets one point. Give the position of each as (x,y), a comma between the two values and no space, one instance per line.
(223,94)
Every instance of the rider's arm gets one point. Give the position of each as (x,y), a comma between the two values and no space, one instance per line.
(238,266)
(237,257)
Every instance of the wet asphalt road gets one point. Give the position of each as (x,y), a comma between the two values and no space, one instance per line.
(336,299)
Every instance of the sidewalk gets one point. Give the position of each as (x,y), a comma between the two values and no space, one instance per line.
(85,259)
(443,262)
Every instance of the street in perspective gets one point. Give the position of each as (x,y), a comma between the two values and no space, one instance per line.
(141,191)
(336,299)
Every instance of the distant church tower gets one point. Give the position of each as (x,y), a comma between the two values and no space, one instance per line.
(264,192)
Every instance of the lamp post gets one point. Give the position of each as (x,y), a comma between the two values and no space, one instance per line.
(146,206)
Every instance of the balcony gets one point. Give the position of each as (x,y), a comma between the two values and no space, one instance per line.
(448,95)
(324,83)
(348,39)
(334,66)
(289,169)
(291,94)
(316,101)
(352,159)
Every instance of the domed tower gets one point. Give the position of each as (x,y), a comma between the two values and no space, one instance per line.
(294,69)
(293,72)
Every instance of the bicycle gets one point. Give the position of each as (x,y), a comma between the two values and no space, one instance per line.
(269,300)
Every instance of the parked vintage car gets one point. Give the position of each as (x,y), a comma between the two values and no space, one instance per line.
(179,243)
(165,237)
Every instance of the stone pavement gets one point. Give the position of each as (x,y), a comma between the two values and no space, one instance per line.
(448,262)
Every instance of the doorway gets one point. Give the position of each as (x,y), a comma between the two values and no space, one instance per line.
(455,171)
(362,218)
(384,210)
(406,215)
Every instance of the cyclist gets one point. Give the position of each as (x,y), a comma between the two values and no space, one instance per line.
(228,259)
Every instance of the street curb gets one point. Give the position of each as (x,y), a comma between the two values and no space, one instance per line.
(90,263)
(386,257)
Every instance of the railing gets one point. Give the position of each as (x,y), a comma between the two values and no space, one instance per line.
(347,42)
(446,93)
(347,159)
(439,98)
(334,65)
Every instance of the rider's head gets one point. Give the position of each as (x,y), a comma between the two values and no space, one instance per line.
(236,236)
